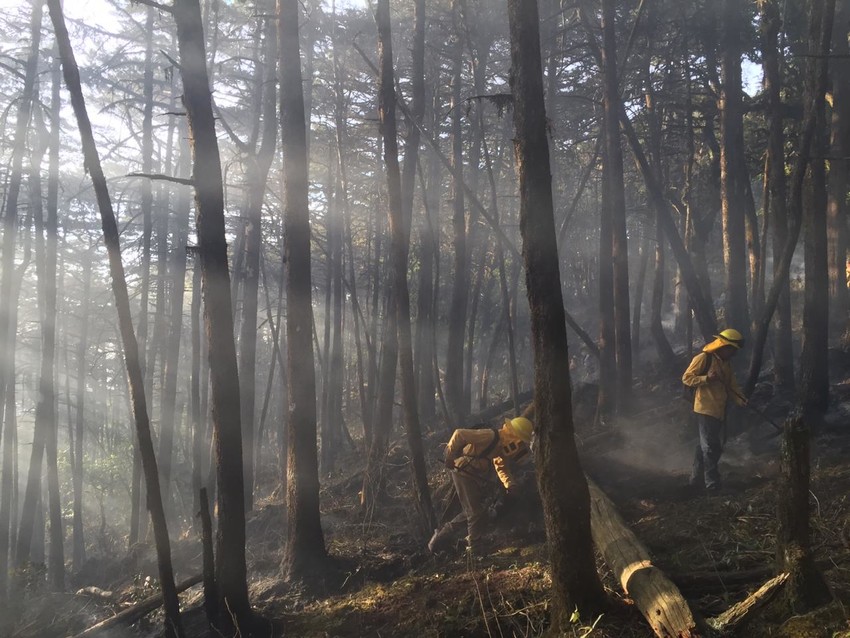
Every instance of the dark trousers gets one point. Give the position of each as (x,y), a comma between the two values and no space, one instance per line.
(708,451)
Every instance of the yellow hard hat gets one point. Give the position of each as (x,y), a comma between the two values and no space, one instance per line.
(522,427)
(732,337)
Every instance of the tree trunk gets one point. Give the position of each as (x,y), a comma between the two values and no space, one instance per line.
(806,588)
(305,554)
(399,220)
(814,363)
(783,355)
(45,414)
(177,276)
(838,235)
(212,249)
(173,626)
(13,188)
(460,292)
(563,489)
(733,175)
(813,103)
(56,558)
(256,177)
(615,190)
(79,545)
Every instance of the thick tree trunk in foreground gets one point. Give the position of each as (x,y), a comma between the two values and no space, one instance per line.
(563,489)
(655,595)
(305,552)
(173,625)
(231,571)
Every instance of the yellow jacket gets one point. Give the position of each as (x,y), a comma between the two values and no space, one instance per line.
(474,451)
(712,395)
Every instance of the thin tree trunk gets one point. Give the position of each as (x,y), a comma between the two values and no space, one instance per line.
(177,272)
(136,509)
(56,558)
(10,216)
(813,101)
(460,292)
(838,235)
(399,221)
(257,172)
(617,202)
(173,625)
(79,545)
(783,356)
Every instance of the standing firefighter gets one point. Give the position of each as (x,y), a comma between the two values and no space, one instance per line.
(469,456)
(711,377)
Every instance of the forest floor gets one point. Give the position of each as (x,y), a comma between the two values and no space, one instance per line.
(384,583)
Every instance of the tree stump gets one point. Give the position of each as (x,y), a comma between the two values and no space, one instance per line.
(806,587)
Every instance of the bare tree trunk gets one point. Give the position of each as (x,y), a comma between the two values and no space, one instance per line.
(783,355)
(45,415)
(56,558)
(399,220)
(305,553)
(195,391)
(460,292)
(563,488)
(814,362)
(838,235)
(813,104)
(173,625)
(257,171)
(231,570)
(10,216)
(806,588)
(732,175)
(615,190)
(79,545)
(177,276)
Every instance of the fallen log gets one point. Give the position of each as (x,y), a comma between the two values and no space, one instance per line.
(738,612)
(137,611)
(655,595)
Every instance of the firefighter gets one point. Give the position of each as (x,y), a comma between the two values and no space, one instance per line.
(710,375)
(470,454)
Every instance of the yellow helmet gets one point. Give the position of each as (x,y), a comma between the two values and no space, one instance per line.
(522,427)
(732,337)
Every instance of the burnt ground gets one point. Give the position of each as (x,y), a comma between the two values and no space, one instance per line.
(382,582)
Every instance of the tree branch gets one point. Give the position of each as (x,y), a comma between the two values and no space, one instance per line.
(155,5)
(164,178)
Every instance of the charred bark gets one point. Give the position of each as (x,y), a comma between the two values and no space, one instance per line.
(563,488)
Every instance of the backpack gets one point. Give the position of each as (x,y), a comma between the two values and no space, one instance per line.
(689,393)
(493,443)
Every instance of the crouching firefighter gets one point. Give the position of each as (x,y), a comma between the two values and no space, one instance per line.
(470,455)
